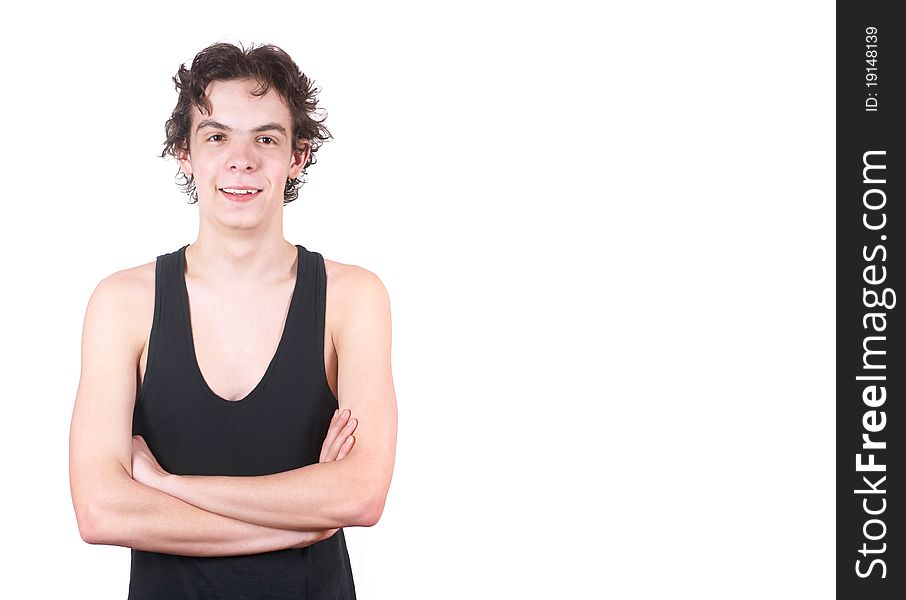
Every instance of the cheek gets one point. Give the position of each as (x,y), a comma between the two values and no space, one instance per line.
(204,167)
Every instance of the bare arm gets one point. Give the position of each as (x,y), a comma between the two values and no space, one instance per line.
(111,507)
(342,493)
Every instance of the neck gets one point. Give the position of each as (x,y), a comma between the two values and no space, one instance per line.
(240,262)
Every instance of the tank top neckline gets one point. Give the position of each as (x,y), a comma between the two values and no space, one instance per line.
(190,338)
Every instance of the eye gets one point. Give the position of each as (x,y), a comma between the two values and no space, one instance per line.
(217,137)
(266,139)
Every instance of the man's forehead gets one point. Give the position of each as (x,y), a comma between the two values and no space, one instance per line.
(233,103)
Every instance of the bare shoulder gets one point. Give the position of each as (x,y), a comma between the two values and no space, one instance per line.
(126,296)
(354,293)
(349,283)
(128,286)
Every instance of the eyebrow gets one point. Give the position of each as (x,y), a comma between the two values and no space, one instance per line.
(218,125)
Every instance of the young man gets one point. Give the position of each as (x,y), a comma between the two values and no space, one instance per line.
(212,431)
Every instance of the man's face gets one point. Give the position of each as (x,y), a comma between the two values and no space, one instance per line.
(241,154)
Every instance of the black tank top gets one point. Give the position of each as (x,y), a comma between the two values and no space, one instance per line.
(280,425)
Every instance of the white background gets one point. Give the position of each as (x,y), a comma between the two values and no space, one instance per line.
(608,239)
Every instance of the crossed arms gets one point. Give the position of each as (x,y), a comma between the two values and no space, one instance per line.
(122,497)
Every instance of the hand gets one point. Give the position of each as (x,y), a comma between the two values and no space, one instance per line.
(145,468)
(339,440)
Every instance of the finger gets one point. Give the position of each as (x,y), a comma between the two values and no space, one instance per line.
(331,435)
(337,423)
(347,431)
(346,447)
(333,451)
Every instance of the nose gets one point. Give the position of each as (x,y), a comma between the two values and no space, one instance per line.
(242,158)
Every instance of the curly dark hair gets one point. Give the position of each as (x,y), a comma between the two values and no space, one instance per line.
(270,67)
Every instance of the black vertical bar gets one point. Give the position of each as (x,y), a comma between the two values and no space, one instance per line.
(871,378)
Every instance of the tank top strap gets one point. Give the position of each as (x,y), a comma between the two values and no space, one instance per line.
(310,288)
(305,326)
(167,341)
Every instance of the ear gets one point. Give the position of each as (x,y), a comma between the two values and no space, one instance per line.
(184,159)
(299,158)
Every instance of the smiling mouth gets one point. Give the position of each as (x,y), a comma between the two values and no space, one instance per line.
(240,194)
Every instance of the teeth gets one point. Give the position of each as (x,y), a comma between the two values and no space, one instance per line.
(232,191)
